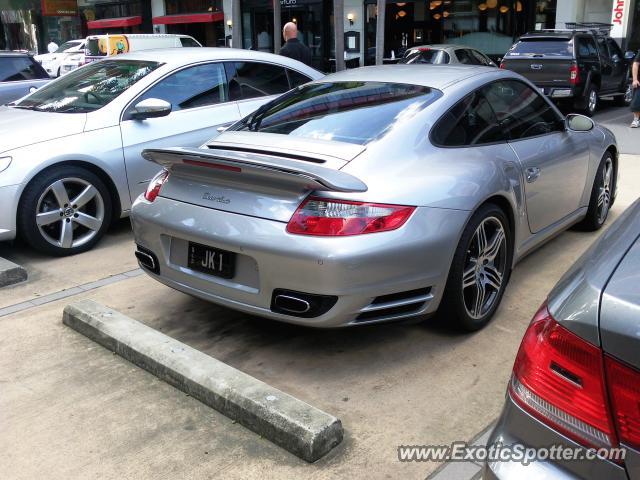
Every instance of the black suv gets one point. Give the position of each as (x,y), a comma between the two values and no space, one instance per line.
(578,65)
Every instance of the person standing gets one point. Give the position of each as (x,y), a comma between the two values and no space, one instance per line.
(635,102)
(53,46)
(294,48)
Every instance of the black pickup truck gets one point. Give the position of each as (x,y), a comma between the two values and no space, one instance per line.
(579,66)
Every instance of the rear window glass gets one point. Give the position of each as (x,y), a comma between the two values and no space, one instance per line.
(352,112)
(421,56)
(559,48)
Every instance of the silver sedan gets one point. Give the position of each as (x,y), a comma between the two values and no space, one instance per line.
(70,152)
(375,194)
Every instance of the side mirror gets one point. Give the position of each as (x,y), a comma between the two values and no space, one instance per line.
(151,108)
(628,55)
(615,58)
(579,123)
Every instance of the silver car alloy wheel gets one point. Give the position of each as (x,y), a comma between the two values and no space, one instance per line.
(484,267)
(593,101)
(604,194)
(70,212)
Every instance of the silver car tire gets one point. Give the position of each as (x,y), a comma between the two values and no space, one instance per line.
(480,270)
(602,193)
(64,210)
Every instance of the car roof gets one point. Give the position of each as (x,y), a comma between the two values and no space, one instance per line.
(434,76)
(441,46)
(559,34)
(184,55)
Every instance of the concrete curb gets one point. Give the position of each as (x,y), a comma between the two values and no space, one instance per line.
(288,422)
(11,273)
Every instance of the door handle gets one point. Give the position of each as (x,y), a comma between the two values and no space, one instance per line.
(532,174)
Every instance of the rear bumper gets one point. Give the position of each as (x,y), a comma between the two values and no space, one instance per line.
(515,426)
(355,269)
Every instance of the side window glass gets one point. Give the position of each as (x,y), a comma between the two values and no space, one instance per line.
(480,59)
(254,79)
(188,42)
(470,122)
(602,46)
(587,48)
(464,57)
(296,78)
(521,111)
(614,49)
(196,86)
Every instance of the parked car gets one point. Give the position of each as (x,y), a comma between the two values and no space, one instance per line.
(383,193)
(446,54)
(70,152)
(20,74)
(576,377)
(51,62)
(578,66)
(98,47)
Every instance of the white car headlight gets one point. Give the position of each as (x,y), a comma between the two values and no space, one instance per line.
(4,163)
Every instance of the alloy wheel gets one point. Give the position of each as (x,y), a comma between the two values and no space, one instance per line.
(604,193)
(70,212)
(485,267)
(593,101)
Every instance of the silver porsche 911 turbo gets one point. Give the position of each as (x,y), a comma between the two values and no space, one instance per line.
(375,194)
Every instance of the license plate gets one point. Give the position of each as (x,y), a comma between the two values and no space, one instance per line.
(212,261)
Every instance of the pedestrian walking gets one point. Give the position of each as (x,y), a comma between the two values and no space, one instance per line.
(53,46)
(294,48)
(635,102)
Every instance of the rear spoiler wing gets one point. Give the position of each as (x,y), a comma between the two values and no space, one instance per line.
(315,177)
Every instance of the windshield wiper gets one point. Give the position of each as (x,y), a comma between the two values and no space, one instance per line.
(23,107)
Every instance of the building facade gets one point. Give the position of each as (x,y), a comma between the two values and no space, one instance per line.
(489,25)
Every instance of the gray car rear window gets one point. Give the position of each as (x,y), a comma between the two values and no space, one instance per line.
(352,112)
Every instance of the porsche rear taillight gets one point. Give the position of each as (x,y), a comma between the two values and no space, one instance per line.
(153,189)
(624,390)
(559,378)
(329,217)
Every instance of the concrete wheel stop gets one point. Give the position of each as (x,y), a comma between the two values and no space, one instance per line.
(11,273)
(286,421)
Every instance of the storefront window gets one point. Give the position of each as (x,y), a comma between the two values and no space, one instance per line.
(311,16)
(491,26)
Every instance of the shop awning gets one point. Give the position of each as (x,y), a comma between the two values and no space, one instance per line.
(208,17)
(114,22)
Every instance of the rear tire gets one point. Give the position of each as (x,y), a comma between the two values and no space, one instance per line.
(588,104)
(479,271)
(64,211)
(601,196)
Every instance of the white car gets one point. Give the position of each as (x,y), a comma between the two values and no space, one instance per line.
(52,62)
(70,153)
(98,47)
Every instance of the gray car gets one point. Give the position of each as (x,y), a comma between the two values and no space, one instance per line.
(70,152)
(446,54)
(20,75)
(576,378)
(375,194)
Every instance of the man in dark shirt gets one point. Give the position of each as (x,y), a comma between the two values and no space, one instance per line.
(635,103)
(293,48)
